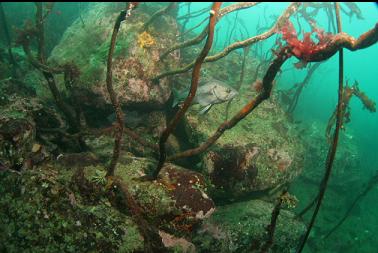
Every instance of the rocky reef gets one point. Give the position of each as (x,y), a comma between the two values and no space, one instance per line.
(57,126)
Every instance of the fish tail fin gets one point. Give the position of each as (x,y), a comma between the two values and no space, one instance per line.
(205,109)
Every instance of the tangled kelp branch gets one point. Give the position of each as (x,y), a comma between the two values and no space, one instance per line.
(309,51)
(348,93)
(195,13)
(183,26)
(299,87)
(332,150)
(336,42)
(241,78)
(240,44)
(202,35)
(372,182)
(193,88)
(267,85)
(158,13)
(113,96)
(48,72)
(193,28)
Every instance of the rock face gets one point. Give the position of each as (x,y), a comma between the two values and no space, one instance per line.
(17,131)
(260,153)
(241,227)
(176,201)
(136,57)
(44,205)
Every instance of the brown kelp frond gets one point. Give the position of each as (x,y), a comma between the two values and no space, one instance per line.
(327,50)
(309,51)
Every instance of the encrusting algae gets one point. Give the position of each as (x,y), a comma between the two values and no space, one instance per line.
(145,40)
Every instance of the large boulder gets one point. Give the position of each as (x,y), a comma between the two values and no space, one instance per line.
(176,201)
(136,56)
(260,153)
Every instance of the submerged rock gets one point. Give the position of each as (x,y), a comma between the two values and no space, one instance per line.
(136,57)
(42,210)
(260,153)
(17,132)
(241,227)
(176,201)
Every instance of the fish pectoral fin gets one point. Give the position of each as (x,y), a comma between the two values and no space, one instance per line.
(206,109)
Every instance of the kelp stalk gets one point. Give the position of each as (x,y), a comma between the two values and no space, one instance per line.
(113,96)
(193,88)
(268,79)
(271,228)
(332,151)
(236,45)
(373,182)
(319,53)
(202,35)
(157,14)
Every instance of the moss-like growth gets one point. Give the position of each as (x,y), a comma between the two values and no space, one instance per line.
(42,211)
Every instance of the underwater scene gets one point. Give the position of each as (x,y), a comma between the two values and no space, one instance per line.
(188,127)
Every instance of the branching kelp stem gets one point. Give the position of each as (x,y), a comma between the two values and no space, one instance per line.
(271,228)
(113,96)
(158,14)
(202,35)
(240,44)
(195,13)
(40,63)
(337,42)
(333,148)
(274,67)
(241,79)
(298,91)
(373,182)
(193,88)
(347,95)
